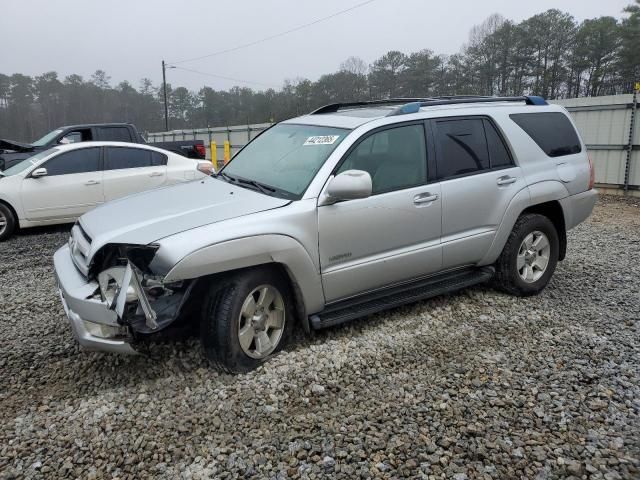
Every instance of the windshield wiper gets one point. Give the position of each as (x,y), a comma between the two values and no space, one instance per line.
(266,189)
(227,177)
(261,187)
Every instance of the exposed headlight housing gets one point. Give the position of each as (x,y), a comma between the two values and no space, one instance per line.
(110,282)
(120,255)
(121,285)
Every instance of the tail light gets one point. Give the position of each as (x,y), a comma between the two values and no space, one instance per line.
(592,173)
(200,150)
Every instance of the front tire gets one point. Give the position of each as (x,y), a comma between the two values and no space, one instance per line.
(529,257)
(247,319)
(7,222)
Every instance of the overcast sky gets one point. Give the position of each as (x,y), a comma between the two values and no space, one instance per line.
(129,38)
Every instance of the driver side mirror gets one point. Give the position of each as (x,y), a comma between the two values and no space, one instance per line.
(39,172)
(349,185)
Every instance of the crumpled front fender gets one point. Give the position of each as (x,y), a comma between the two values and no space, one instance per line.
(252,251)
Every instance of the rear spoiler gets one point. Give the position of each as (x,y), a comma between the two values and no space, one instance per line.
(15,146)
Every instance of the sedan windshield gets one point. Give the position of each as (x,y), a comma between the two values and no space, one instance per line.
(24,164)
(284,159)
(47,138)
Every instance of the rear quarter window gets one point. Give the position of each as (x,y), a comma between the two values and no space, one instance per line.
(552,131)
(158,159)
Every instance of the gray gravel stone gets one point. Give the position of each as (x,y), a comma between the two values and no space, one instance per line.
(477,385)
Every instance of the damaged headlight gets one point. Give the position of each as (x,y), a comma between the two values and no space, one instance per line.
(122,285)
(119,255)
(110,282)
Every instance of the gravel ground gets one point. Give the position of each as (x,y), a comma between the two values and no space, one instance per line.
(473,385)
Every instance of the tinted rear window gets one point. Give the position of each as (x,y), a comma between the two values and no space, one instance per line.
(462,147)
(115,134)
(552,131)
(498,152)
(122,157)
(158,159)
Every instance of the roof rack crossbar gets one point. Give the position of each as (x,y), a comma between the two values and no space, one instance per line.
(413,105)
(334,107)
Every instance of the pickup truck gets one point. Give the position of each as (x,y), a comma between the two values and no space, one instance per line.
(13,152)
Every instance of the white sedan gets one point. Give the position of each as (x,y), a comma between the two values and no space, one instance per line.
(60,184)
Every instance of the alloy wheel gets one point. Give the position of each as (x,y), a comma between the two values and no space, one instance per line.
(533,256)
(261,321)
(3,222)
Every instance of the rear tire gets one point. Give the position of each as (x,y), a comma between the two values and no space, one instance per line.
(529,257)
(247,319)
(7,222)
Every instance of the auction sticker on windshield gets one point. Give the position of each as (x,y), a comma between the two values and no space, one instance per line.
(322,140)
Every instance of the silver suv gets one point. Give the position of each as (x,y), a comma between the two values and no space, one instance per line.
(335,215)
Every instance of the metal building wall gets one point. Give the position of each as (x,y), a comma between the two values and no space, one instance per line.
(604,123)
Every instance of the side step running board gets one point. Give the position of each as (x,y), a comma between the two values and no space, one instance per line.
(395,296)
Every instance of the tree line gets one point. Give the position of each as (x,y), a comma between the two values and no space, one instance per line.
(549,54)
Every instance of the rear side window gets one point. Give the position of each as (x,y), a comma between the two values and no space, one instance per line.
(462,147)
(77,161)
(115,134)
(498,153)
(158,159)
(121,157)
(552,131)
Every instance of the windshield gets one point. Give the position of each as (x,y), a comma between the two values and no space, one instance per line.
(24,164)
(285,158)
(47,138)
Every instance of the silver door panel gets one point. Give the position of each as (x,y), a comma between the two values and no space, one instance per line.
(382,270)
(472,209)
(379,240)
(466,250)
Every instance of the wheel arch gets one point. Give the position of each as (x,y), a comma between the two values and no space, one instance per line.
(553,211)
(280,251)
(543,198)
(13,210)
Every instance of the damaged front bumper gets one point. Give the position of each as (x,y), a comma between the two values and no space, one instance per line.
(94,324)
(119,308)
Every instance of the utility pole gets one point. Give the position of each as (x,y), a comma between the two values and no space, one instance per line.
(632,131)
(164,92)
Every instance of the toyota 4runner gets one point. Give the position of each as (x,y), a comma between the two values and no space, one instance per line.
(335,215)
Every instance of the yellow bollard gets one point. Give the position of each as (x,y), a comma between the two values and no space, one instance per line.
(214,155)
(227,151)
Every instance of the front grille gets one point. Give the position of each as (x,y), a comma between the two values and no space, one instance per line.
(80,245)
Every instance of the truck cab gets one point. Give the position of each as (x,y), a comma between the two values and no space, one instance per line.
(12,152)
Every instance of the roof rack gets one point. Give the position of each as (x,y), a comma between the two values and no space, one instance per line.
(413,105)
(334,107)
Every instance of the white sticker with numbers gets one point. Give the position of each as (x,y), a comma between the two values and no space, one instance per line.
(322,140)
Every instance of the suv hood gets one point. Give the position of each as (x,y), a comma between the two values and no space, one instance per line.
(15,146)
(149,216)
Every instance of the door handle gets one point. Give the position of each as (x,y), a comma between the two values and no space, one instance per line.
(506,180)
(92,182)
(423,198)
(155,174)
